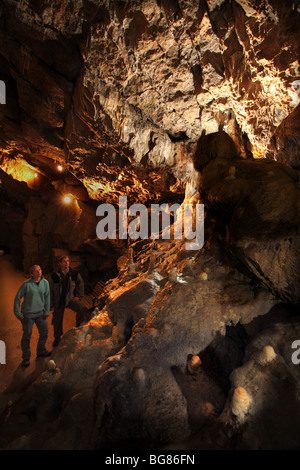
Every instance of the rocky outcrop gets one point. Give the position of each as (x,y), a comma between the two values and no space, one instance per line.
(261,229)
(121,91)
(284,144)
(130,377)
(143,388)
(137,98)
(123,94)
(182,321)
(264,392)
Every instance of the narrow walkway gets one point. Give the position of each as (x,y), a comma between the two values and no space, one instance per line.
(13,376)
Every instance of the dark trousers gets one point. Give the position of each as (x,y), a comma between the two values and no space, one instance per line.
(42,326)
(58,316)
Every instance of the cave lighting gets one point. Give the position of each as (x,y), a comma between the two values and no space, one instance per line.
(67,199)
(72,202)
(60,168)
(94,188)
(19,169)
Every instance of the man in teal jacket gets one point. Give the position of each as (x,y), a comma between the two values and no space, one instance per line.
(34,309)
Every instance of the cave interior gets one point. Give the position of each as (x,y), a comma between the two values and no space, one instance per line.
(166,102)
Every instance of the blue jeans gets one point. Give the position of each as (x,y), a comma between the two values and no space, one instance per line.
(42,326)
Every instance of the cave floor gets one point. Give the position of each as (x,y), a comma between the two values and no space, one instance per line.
(14,378)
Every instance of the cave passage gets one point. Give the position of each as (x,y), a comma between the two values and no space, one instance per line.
(164,102)
(12,374)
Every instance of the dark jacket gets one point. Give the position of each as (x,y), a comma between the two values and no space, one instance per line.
(74,287)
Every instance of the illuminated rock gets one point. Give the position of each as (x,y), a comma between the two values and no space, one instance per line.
(267,355)
(194,364)
(51,365)
(240,402)
(173,275)
(203,276)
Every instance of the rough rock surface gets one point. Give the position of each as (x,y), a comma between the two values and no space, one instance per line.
(144,392)
(182,320)
(131,366)
(61,398)
(258,204)
(272,388)
(139,98)
(119,94)
(121,91)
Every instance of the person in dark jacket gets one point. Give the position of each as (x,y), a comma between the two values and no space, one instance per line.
(34,309)
(67,290)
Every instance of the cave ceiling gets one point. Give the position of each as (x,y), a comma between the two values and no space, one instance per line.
(161,101)
(118,93)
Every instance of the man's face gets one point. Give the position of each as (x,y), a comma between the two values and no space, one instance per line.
(64,264)
(36,272)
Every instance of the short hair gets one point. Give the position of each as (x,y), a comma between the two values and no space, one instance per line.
(62,258)
(33,266)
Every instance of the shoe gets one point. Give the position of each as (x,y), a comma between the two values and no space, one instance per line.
(56,342)
(44,354)
(25,363)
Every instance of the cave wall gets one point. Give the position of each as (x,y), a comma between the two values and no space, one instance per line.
(117,90)
(121,93)
(38,226)
(138,98)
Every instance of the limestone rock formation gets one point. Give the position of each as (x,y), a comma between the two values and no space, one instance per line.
(182,320)
(186,101)
(261,229)
(117,91)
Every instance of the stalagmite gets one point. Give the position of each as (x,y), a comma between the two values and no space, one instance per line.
(51,365)
(240,402)
(173,275)
(139,377)
(131,264)
(151,263)
(203,276)
(267,355)
(194,364)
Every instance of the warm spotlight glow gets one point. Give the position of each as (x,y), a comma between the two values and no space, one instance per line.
(60,168)
(67,199)
(19,169)
(95,188)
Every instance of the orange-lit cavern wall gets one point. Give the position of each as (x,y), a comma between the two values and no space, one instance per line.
(163,101)
(120,92)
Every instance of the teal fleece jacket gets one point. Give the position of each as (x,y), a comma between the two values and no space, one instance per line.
(36,299)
